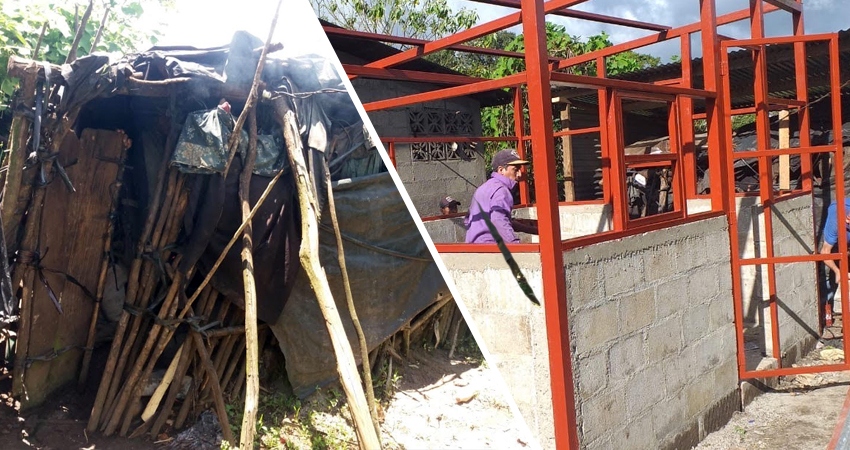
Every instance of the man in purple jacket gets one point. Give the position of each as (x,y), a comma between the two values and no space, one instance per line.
(496,198)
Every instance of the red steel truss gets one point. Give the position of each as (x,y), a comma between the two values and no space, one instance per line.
(544,71)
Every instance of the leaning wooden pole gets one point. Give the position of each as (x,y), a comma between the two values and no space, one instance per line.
(309,256)
(349,298)
(252,359)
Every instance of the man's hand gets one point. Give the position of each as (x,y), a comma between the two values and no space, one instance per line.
(525,225)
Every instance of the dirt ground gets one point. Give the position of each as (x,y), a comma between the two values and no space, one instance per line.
(434,402)
(801,413)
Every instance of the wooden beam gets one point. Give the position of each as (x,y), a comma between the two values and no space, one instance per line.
(784,142)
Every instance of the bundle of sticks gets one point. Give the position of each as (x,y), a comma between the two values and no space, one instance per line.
(210,341)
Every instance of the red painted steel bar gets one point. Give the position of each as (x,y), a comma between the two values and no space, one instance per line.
(814,257)
(353,70)
(605,236)
(803,120)
(442,94)
(686,114)
(519,130)
(467,35)
(391,153)
(659,37)
(620,215)
(788,5)
(604,143)
(330,31)
(568,79)
(779,40)
(546,193)
(835,94)
(765,166)
(486,248)
(583,15)
(680,202)
(468,139)
(784,151)
(750,374)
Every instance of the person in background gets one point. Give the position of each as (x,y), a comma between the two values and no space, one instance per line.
(830,241)
(495,197)
(448,205)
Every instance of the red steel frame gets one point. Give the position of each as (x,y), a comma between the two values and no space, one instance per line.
(543,71)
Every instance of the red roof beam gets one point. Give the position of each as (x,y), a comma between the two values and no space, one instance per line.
(595,82)
(451,92)
(655,38)
(475,32)
(414,41)
(788,5)
(584,15)
(354,70)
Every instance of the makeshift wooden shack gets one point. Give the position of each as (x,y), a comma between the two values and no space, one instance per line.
(120,198)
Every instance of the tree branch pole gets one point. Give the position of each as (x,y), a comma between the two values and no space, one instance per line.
(309,256)
(72,53)
(349,298)
(40,39)
(252,360)
(100,29)
(253,95)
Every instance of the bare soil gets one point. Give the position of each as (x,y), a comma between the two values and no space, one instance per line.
(801,413)
(433,402)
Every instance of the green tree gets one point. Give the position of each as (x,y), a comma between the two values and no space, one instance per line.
(423,19)
(21,24)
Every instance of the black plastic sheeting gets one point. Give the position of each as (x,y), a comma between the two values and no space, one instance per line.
(393,278)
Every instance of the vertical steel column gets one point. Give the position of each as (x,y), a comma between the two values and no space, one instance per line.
(719,124)
(803,120)
(519,126)
(765,164)
(551,254)
(680,201)
(616,156)
(391,153)
(603,133)
(838,139)
(686,114)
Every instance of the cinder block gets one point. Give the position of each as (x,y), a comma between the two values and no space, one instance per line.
(709,352)
(637,311)
(592,374)
(623,274)
(699,394)
(703,285)
(664,339)
(696,322)
(659,263)
(638,435)
(594,327)
(625,358)
(726,377)
(603,413)
(644,391)
(505,334)
(668,417)
(670,297)
(585,286)
(721,311)
(516,371)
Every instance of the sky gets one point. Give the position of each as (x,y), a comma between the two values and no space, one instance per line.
(299,31)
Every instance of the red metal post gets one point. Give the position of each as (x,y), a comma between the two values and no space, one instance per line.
(551,255)
(617,171)
(838,139)
(391,153)
(686,114)
(519,126)
(765,166)
(680,202)
(603,133)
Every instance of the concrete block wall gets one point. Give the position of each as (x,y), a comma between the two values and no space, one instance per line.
(576,221)
(655,355)
(426,181)
(796,284)
(652,329)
